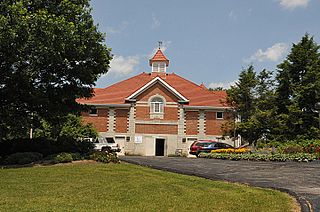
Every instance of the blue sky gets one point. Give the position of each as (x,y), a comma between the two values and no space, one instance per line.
(207,41)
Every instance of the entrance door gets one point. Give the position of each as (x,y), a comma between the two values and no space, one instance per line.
(159,147)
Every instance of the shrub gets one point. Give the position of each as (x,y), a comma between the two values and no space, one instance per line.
(76,156)
(63,157)
(45,146)
(22,158)
(299,157)
(105,157)
(291,149)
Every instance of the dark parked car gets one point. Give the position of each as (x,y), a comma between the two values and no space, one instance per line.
(206,146)
(200,144)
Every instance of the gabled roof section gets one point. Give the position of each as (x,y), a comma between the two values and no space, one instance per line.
(185,89)
(159,57)
(151,83)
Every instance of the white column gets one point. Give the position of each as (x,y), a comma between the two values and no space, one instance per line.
(132,119)
(201,123)
(181,122)
(112,120)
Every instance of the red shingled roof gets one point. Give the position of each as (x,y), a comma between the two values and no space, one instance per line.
(159,57)
(196,94)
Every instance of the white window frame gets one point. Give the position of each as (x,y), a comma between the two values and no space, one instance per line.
(156,67)
(157,106)
(221,115)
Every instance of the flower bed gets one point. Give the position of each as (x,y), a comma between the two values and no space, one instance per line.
(299,157)
(236,151)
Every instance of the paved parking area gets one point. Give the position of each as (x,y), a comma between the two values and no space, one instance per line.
(301,180)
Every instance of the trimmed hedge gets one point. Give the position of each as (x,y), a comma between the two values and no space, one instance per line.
(22,158)
(45,146)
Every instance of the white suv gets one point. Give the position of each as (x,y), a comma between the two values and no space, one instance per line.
(106,144)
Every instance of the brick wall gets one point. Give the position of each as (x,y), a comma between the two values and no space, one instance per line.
(121,120)
(213,125)
(191,118)
(157,89)
(100,122)
(156,129)
(170,113)
(142,112)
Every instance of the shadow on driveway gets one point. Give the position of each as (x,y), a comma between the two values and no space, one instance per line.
(301,180)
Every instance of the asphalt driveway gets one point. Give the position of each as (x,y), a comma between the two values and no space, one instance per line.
(301,180)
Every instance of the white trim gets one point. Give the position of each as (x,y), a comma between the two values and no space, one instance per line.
(157,122)
(152,82)
(205,107)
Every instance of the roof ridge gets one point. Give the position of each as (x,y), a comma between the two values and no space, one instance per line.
(187,80)
(143,73)
(199,86)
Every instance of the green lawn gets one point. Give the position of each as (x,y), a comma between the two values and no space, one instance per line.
(126,187)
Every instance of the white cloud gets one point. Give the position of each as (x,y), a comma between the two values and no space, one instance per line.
(118,29)
(225,85)
(273,53)
(123,66)
(232,15)
(292,4)
(155,22)
(164,46)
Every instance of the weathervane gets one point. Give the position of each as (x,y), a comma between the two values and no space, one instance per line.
(160,44)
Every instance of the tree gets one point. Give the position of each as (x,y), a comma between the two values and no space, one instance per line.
(241,98)
(298,91)
(252,99)
(217,89)
(72,127)
(51,53)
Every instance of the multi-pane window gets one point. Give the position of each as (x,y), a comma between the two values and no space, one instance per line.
(158,67)
(157,105)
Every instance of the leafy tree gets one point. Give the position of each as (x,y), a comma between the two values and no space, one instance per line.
(72,127)
(298,91)
(51,53)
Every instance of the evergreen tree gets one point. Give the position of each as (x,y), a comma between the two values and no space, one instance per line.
(253,101)
(298,91)
(241,99)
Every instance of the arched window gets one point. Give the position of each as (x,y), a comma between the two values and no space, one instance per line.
(156,105)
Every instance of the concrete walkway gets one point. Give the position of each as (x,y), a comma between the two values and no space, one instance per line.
(301,180)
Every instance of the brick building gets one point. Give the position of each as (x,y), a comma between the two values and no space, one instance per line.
(156,113)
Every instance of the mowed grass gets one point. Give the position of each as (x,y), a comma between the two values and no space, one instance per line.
(126,187)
